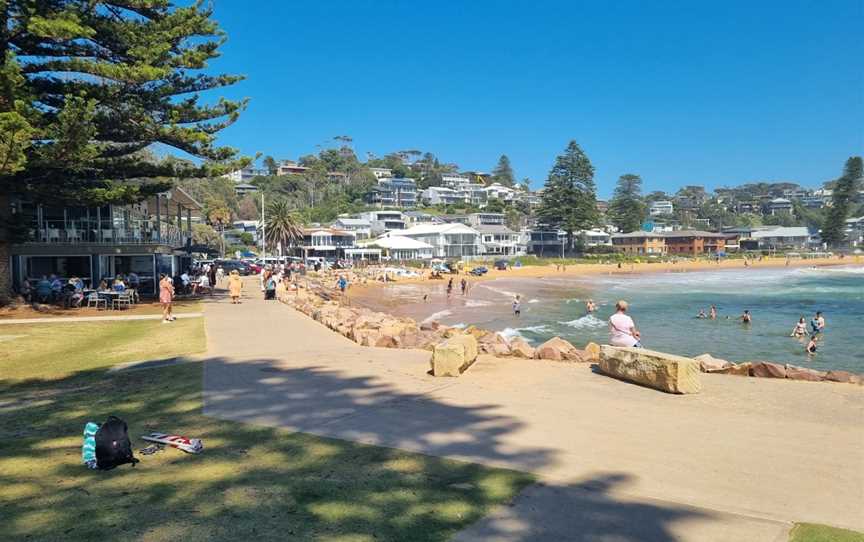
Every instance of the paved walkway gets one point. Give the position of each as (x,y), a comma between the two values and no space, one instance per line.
(740,461)
(73,319)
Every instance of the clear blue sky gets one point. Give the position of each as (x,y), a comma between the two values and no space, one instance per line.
(712,93)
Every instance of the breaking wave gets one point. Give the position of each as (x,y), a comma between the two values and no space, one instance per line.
(589,321)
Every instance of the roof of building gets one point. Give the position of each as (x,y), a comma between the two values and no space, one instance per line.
(353,221)
(493,228)
(324,229)
(398,242)
(781,231)
(431,229)
(692,233)
(636,235)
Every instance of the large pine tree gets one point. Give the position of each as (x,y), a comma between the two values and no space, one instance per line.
(86,86)
(503,172)
(569,199)
(626,209)
(845,192)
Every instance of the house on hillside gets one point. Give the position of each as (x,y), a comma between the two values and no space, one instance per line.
(323,242)
(662,207)
(447,240)
(95,243)
(394,192)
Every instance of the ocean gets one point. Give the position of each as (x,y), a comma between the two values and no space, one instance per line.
(665,308)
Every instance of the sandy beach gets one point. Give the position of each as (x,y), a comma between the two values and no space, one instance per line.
(587,269)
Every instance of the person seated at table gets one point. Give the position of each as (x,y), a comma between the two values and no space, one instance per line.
(43,290)
(56,287)
(76,283)
(119,285)
(203,283)
(26,291)
(103,286)
(134,283)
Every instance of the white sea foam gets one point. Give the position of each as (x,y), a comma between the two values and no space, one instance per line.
(535,329)
(510,333)
(572,300)
(472,303)
(437,316)
(498,290)
(589,321)
(460,325)
(534,301)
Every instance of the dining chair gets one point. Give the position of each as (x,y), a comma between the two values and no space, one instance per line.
(121,301)
(93,299)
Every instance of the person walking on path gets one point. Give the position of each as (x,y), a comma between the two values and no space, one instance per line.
(235,286)
(166,298)
(464,286)
(220,274)
(211,274)
(622,329)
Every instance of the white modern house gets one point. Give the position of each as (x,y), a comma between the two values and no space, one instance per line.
(500,192)
(383,221)
(441,195)
(595,238)
(381,172)
(662,207)
(486,219)
(399,247)
(361,227)
(447,240)
(499,240)
(780,237)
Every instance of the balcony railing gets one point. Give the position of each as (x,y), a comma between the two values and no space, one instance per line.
(169,235)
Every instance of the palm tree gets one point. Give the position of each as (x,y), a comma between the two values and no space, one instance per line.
(281,225)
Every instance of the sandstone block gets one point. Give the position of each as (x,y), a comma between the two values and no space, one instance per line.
(843,376)
(740,369)
(664,372)
(593,351)
(766,369)
(803,373)
(521,349)
(453,356)
(709,363)
(557,349)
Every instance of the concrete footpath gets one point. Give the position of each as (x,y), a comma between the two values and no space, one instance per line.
(74,319)
(740,461)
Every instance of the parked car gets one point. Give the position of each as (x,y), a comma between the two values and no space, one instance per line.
(479,271)
(501,265)
(232,265)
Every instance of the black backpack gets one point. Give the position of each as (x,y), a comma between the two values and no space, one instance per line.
(113,447)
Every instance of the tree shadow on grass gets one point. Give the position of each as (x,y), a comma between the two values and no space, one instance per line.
(250,482)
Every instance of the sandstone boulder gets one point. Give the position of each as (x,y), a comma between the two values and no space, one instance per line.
(842,376)
(740,369)
(558,349)
(454,355)
(430,326)
(477,332)
(766,369)
(521,349)
(709,363)
(665,372)
(592,350)
(803,373)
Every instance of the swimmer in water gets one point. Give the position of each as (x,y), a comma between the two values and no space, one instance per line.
(746,318)
(800,328)
(590,306)
(811,346)
(702,314)
(713,312)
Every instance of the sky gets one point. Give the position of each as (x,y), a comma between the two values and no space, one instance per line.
(708,93)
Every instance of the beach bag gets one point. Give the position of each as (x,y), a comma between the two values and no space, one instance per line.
(112,444)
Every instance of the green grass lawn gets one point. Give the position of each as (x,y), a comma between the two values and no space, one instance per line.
(49,351)
(809,532)
(250,482)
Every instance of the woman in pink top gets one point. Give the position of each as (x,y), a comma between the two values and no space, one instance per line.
(621,327)
(166,297)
